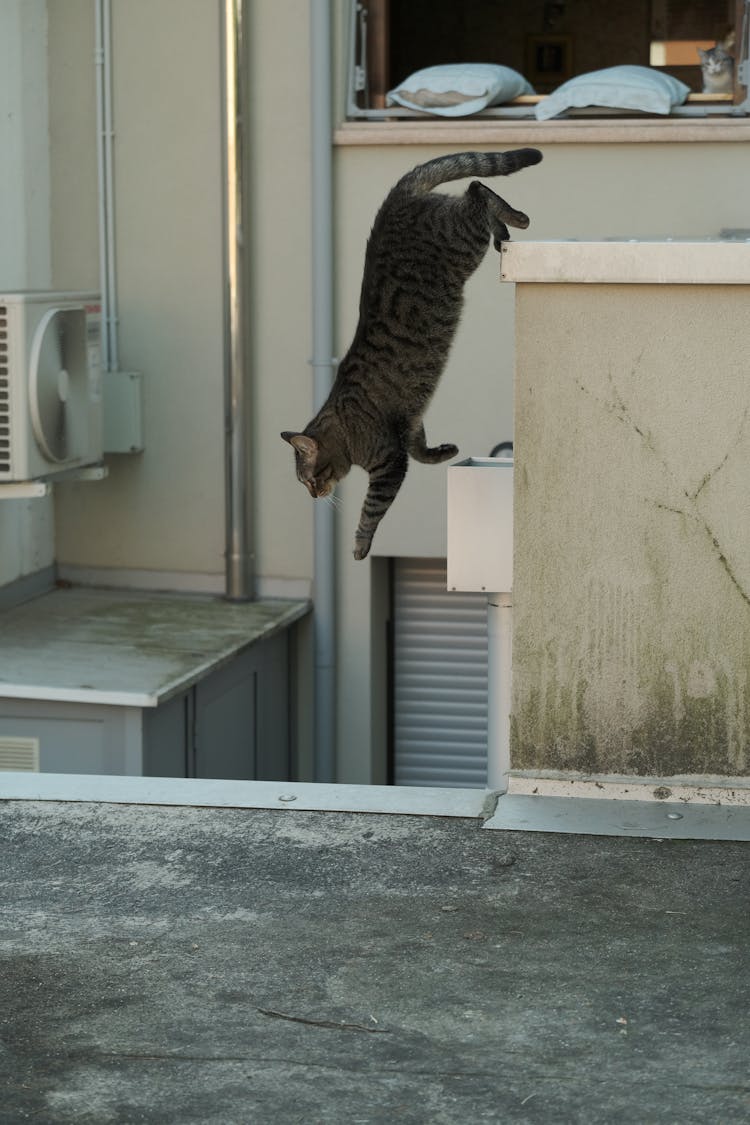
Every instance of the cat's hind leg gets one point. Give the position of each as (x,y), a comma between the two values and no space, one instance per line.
(429,455)
(385,481)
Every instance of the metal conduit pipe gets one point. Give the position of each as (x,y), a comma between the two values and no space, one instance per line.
(239,554)
(100,53)
(106,188)
(239,569)
(499,664)
(323,369)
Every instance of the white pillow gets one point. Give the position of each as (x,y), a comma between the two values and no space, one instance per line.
(617,87)
(458,89)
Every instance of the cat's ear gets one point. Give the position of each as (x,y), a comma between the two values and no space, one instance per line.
(306,446)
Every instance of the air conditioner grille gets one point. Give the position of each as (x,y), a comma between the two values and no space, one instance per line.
(4,393)
(19,754)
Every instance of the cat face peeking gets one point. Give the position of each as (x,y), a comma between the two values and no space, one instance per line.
(314,469)
(717,66)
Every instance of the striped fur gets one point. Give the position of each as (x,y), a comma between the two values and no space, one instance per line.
(422,249)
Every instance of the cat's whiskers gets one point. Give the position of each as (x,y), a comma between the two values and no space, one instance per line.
(335,501)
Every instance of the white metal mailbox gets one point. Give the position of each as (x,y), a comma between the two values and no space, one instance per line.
(480,524)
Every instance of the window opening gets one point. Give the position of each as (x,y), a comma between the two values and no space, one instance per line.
(547,41)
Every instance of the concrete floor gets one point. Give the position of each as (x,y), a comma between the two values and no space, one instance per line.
(221,966)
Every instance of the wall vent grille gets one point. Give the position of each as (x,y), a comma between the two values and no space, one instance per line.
(4,393)
(19,754)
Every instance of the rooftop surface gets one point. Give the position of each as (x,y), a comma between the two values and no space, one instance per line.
(216,965)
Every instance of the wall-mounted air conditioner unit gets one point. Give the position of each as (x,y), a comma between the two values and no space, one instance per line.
(50,384)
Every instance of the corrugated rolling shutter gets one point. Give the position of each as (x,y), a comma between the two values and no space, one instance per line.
(440,679)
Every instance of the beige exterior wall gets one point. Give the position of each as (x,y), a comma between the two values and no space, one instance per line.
(162,510)
(168,191)
(160,515)
(72,146)
(281,279)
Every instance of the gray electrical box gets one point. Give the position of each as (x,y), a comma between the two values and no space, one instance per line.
(480,524)
(123,412)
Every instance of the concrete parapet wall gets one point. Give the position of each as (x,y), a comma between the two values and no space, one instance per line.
(631,642)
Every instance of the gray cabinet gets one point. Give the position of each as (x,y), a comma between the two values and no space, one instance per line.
(205,696)
(241,717)
(233,723)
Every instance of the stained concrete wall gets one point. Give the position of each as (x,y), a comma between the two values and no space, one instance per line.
(631,645)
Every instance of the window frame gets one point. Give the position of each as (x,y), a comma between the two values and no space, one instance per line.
(367,50)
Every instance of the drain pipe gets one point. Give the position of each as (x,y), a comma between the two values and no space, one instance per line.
(106,192)
(499,665)
(239,548)
(323,372)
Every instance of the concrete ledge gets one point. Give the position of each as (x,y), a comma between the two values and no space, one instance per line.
(703,262)
(127,648)
(706,790)
(496,132)
(198,792)
(662,820)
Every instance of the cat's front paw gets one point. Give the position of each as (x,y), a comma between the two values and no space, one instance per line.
(361,548)
(445,452)
(501,235)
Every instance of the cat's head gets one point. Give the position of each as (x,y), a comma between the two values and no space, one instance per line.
(715,59)
(317,468)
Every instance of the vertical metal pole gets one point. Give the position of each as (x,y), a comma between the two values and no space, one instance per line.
(109,163)
(106,183)
(239,550)
(499,659)
(99,61)
(323,368)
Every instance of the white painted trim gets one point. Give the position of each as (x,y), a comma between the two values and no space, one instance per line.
(200,793)
(174,581)
(498,132)
(704,262)
(95,696)
(24,490)
(155,580)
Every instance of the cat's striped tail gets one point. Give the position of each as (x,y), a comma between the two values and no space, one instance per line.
(460,165)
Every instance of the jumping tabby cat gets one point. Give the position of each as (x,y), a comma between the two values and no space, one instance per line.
(422,249)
